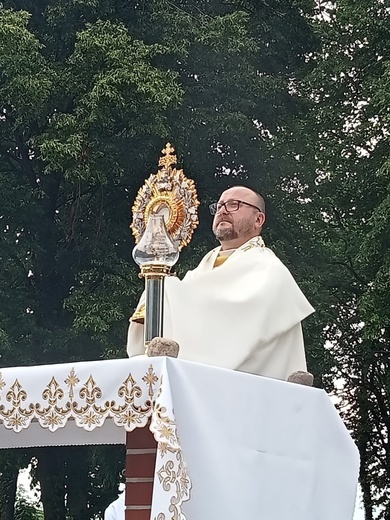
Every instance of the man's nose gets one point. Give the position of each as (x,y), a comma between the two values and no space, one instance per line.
(222,209)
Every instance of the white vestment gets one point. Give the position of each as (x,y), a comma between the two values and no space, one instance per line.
(245,314)
(116,510)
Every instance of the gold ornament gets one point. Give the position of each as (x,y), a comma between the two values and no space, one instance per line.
(171,194)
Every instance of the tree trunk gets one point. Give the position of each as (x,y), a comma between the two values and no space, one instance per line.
(9,470)
(77,482)
(362,443)
(50,474)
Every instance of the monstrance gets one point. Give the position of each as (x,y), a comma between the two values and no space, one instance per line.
(164,218)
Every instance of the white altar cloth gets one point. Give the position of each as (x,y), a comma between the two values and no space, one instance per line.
(231,445)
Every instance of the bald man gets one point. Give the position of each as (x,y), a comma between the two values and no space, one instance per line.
(240,308)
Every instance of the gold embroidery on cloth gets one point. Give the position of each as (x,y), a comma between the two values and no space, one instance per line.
(52,415)
(61,405)
(17,417)
(72,380)
(137,403)
(139,315)
(2,383)
(150,379)
(254,242)
(172,474)
(131,414)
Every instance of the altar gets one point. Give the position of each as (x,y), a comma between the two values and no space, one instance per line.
(229,445)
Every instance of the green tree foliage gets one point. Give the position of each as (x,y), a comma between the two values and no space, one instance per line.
(249,92)
(26,508)
(92,104)
(350,215)
(10,463)
(90,91)
(9,469)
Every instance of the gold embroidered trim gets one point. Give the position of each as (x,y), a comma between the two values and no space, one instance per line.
(136,404)
(139,315)
(253,242)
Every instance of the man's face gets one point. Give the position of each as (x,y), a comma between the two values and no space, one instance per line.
(241,223)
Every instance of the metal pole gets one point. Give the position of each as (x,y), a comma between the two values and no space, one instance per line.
(154,307)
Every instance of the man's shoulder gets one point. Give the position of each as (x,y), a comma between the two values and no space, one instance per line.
(255,243)
(254,257)
(265,255)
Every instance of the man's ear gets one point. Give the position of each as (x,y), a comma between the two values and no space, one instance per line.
(260,220)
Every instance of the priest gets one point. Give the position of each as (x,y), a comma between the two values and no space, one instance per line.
(240,308)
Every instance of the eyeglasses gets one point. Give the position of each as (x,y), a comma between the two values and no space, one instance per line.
(230,206)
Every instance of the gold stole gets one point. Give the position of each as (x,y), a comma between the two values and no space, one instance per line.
(222,257)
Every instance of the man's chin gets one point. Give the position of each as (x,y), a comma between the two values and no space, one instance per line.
(224,235)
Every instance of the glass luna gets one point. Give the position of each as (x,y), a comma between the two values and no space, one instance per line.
(156,246)
(155,253)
